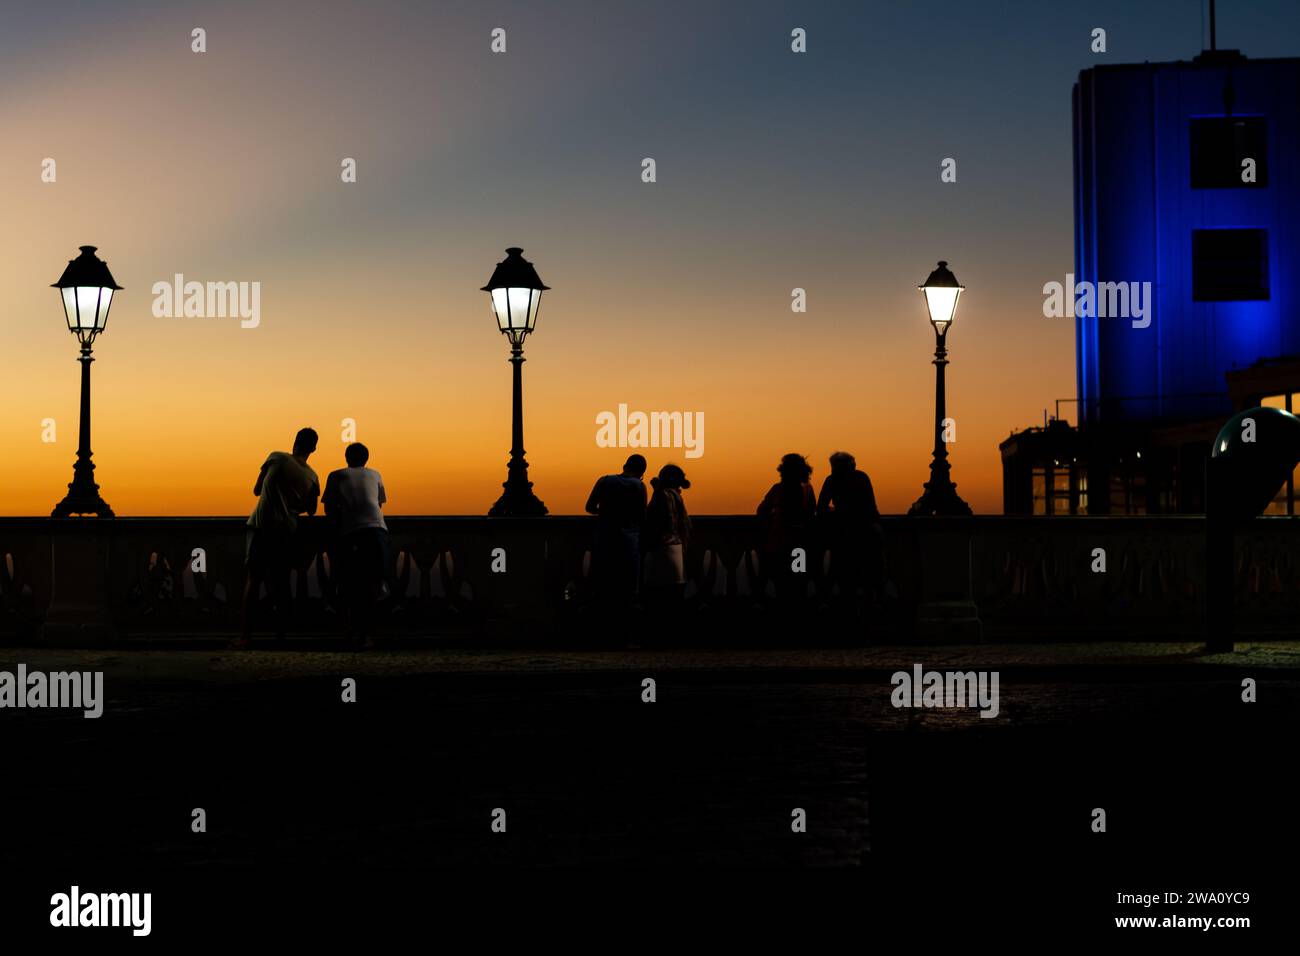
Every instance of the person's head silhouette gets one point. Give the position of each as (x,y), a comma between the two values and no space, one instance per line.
(304,443)
(794,469)
(356,455)
(670,476)
(634,466)
(842,463)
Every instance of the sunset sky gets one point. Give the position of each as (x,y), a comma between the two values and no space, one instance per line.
(775,170)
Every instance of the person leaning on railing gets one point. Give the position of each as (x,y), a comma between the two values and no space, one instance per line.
(286,487)
(850,527)
(354,499)
(666,537)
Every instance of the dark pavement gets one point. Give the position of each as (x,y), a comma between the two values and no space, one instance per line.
(294,781)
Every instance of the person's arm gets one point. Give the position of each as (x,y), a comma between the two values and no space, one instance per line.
(768,503)
(593,500)
(313,496)
(653,517)
(383,495)
(261,477)
(330,499)
(824,499)
(869,494)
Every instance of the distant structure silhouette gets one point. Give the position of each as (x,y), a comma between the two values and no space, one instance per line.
(790,507)
(1224,313)
(666,538)
(619,504)
(354,499)
(286,487)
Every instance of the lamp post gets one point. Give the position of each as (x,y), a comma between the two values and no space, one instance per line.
(516,292)
(941,290)
(87,289)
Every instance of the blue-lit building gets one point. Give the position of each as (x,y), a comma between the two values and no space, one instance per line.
(1185,177)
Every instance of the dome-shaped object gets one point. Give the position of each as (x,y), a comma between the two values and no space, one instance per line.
(1262,447)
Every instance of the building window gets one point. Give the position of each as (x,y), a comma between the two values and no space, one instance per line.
(1219,147)
(1061,492)
(1128,493)
(1056,490)
(1229,265)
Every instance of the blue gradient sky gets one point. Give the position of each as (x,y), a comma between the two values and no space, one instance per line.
(775,170)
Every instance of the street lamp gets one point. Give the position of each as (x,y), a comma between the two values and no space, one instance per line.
(941,290)
(516,292)
(87,289)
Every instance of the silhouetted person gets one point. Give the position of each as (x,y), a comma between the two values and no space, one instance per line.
(619,503)
(354,497)
(286,487)
(851,528)
(790,507)
(666,537)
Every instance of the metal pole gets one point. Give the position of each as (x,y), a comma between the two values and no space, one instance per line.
(83,494)
(517,498)
(83,442)
(940,363)
(517,433)
(1220,559)
(940,496)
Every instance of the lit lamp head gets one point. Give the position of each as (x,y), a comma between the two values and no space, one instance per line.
(87,288)
(942,290)
(516,292)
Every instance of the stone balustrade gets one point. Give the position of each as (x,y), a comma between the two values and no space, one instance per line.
(1025,578)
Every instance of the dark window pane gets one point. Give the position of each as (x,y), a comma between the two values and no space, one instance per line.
(1218,146)
(1229,264)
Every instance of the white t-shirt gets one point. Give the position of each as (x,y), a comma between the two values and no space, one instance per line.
(355,496)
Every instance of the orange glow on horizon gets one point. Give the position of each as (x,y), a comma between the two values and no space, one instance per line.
(671,297)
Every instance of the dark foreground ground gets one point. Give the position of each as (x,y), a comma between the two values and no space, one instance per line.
(311,801)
